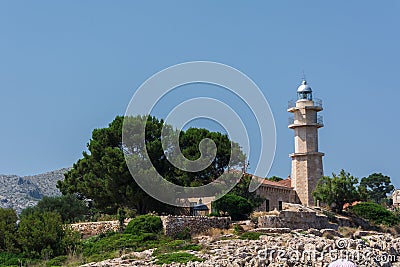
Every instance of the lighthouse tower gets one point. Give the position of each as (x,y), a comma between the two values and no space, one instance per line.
(306,159)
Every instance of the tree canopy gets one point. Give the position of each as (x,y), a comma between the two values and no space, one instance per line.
(275,178)
(375,213)
(337,190)
(103,176)
(376,187)
(8,229)
(236,206)
(68,206)
(239,202)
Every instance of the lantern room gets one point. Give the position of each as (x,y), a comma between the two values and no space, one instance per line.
(304,91)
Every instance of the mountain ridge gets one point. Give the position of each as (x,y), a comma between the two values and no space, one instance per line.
(20,192)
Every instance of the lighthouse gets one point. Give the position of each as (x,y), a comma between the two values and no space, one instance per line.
(306,160)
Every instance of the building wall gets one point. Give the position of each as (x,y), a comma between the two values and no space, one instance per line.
(275,195)
(396,198)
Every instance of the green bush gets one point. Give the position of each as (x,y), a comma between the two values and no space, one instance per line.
(144,224)
(57,261)
(236,206)
(184,234)
(40,234)
(175,245)
(10,259)
(69,207)
(178,257)
(374,213)
(8,230)
(238,229)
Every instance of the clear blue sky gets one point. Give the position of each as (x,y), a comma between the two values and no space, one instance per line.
(67,67)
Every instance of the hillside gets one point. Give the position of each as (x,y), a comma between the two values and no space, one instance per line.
(20,192)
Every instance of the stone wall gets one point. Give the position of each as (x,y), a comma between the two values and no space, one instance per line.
(88,229)
(195,224)
(295,217)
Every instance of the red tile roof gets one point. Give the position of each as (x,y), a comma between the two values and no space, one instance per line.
(287,183)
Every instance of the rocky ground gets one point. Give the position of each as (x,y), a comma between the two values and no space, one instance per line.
(19,193)
(297,248)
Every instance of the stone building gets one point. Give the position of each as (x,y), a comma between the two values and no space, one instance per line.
(306,160)
(276,193)
(396,198)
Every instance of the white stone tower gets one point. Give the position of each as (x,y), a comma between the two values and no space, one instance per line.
(306,159)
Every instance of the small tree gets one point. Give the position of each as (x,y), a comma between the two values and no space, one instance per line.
(242,189)
(376,186)
(8,229)
(337,190)
(41,234)
(236,206)
(68,206)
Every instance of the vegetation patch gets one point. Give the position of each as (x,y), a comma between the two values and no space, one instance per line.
(108,246)
(374,213)
(144,224)
(250,235)
(177,257)
(57,261)
(10,259)
(176,245)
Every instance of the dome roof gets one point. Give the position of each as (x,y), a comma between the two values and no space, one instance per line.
(304,87)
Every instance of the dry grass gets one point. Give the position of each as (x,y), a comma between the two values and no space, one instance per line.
(328,235)
(393,230)
(74,260)
(347,231)
(214,233)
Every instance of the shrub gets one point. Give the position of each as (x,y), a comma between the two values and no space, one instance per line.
(184,234)
(69,207)
(375,213)
(178,257)
(102,247)
(144,224)
(8,230)
(251,235)
(176,245)
(39,234)
(236,206)
(238,229)
(9,259)
(57,261)
(70,242)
